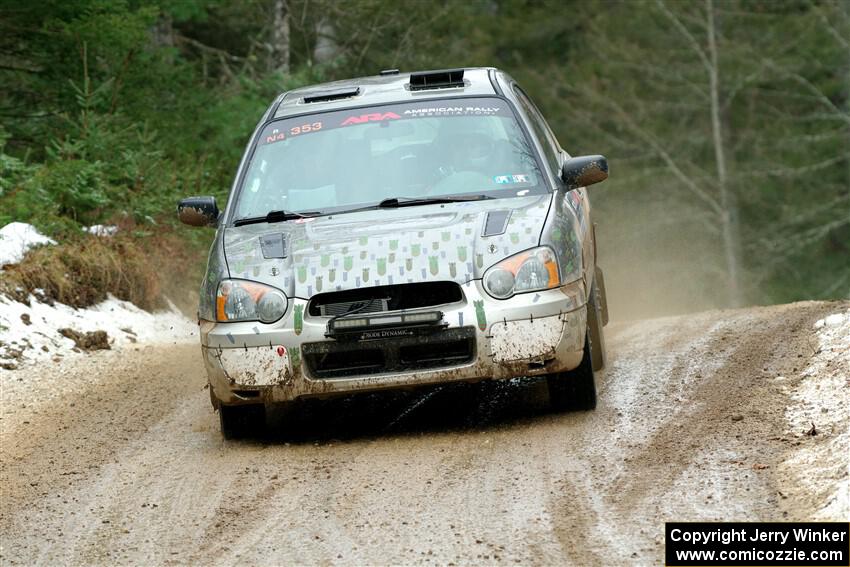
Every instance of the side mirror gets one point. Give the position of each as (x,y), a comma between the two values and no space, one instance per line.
(582,171)
(198,211)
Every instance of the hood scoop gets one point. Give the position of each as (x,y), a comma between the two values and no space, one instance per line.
(496,223)
(274,245)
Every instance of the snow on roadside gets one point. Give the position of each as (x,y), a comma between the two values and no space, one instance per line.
(822,397)
(16,238)
(30,333)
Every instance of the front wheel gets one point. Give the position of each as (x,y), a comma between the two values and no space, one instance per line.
(574,389)
(240,422)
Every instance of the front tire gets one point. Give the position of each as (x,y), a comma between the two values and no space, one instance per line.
(240,422)
(574,389)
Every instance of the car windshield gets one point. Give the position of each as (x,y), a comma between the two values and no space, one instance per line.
(335,161)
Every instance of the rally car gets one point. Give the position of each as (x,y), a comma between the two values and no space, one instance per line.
(400,230)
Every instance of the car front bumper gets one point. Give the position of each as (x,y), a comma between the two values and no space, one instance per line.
(526,335)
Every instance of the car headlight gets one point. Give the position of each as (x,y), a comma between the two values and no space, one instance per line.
(239,300)
(532,270)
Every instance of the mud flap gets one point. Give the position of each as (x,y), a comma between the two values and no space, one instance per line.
(602,296)
(595,322)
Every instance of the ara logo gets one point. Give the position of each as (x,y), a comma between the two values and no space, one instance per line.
(374,117)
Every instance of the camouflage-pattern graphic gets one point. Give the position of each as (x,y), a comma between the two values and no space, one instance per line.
(461,253)
(479,314)
(216,271)
(298,319)
(565,233)
(331,254)
(295,356)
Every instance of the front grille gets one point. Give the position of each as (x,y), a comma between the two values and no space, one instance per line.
(360,307)
(442,349)
(385,298)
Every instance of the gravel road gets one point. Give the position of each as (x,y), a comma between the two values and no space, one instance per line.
(117,459)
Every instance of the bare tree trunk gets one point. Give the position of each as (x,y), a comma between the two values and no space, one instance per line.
(325,48)
(280,36)
(162,32)
(728,202)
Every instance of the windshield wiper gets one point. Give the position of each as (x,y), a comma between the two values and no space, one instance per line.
(393,202)
(275,216)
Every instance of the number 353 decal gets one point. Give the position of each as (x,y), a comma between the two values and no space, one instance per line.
(277,136)
(305,128)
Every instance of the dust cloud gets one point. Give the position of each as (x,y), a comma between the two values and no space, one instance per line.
(659,256)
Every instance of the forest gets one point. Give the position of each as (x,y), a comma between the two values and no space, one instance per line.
(726,124)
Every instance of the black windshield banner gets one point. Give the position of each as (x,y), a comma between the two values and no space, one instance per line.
(280,130)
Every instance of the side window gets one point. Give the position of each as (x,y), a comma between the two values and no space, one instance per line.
(551,150)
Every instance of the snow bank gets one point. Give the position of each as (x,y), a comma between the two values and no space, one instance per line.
(30,333)
(16,238)
(822,398)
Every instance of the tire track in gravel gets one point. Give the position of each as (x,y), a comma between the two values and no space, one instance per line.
(731,411)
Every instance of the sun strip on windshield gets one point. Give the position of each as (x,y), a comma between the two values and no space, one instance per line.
(275,132)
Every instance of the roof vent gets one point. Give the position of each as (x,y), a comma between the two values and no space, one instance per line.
(443,79)
(328,95)
(386,72)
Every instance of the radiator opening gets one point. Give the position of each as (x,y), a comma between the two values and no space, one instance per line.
(385,298)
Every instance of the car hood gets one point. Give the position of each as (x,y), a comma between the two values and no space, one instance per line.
(385,246)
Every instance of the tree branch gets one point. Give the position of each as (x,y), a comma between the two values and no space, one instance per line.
(677,23)
(650,140)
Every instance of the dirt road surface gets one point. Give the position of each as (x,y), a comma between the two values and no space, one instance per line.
(117,459)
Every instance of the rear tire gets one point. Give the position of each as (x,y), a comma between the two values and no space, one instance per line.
(574,389)
(240,422)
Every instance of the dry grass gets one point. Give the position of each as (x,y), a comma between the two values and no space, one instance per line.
(82,271)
